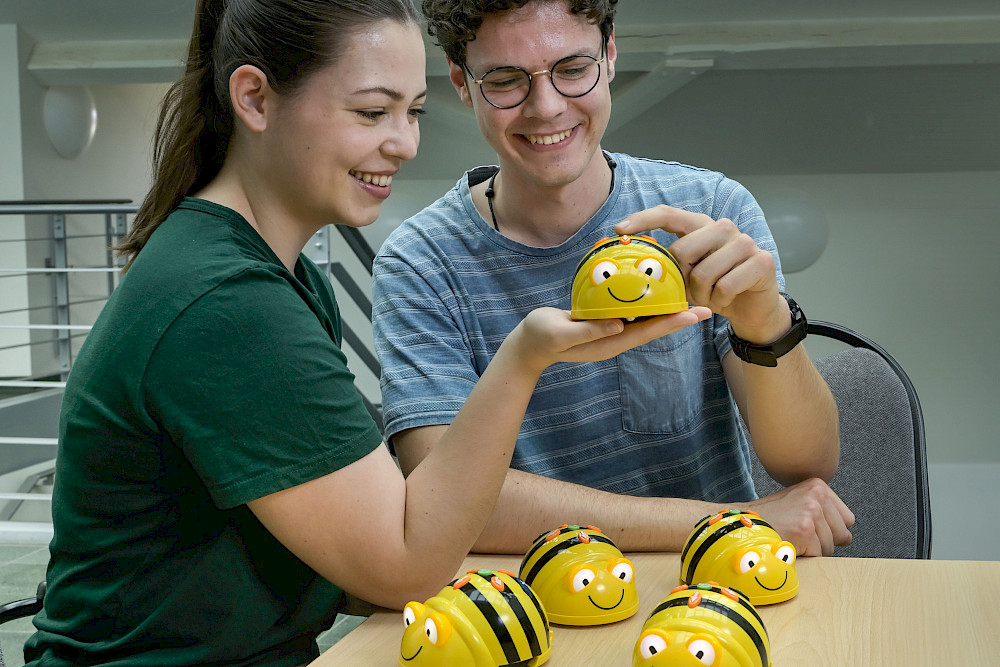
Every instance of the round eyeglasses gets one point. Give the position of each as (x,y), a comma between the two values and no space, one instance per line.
(507,87)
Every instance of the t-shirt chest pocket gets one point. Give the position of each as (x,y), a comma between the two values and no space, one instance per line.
(662,382)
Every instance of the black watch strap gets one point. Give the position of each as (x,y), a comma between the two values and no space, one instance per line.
(768,354)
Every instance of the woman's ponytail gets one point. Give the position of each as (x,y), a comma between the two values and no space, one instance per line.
(192,133)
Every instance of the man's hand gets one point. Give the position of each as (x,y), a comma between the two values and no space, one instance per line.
(724,269)
(809,515)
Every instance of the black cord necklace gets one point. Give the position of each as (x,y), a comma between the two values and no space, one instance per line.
(491,192)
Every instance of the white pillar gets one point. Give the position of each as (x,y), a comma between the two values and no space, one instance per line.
(16,361)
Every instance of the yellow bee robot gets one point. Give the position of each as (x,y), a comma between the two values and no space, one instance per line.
(484,619)
(627,277)
(741,551)
(580,576)
(705,624)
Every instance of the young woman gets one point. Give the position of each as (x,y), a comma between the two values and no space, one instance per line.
(220,489)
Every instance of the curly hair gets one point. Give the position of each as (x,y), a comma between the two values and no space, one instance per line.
(454,23)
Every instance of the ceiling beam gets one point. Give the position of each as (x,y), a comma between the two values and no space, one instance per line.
(731,45)
(749,36)
(653,87)
(109,62)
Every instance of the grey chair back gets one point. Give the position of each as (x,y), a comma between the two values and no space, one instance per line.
(883,461)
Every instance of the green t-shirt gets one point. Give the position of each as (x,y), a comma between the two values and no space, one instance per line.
(213,377)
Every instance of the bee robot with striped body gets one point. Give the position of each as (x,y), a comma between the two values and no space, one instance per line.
(580,576)
(484,619)
(741,551)
(705,624)
(627,277)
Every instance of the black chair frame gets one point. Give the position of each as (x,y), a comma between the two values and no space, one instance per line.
(855,339)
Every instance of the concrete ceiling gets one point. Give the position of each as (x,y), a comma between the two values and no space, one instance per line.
(776,86)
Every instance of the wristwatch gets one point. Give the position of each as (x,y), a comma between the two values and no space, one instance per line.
(767,355)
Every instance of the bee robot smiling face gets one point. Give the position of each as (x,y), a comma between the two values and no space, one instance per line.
(705,624)
(627,277)
(741,551)
(484,619)
(580,576)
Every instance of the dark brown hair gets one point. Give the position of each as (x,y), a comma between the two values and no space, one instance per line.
(454,23)
(288,40)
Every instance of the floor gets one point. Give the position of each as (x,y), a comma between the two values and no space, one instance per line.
(23,566)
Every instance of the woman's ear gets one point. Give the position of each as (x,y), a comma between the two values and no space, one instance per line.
(250,95)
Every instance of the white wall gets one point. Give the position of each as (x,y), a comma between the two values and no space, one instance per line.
(115,166)
(961,493)
(911,262)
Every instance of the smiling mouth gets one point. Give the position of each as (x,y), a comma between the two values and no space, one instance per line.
(768,587)
(612,606)
(628,300)
(548,139)
(412,656)
(381,180)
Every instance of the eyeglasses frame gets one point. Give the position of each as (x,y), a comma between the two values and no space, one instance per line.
(532,75)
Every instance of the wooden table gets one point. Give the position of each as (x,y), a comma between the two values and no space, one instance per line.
(849,611)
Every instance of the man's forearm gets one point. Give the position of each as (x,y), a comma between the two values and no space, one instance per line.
(530,505)
(792,418)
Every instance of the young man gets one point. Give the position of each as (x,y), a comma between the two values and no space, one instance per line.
(643,445)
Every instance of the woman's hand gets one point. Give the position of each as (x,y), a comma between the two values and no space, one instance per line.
(548,335)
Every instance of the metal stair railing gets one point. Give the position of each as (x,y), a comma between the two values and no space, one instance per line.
(51,319)
(63,250)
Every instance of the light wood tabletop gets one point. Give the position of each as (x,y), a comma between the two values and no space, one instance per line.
(849,611)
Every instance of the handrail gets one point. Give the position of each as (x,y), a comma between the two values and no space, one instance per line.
(49,209)
(7,440)
(60,271)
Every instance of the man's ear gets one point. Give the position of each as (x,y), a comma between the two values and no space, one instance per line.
(457,75)
(612,53)
(250,95)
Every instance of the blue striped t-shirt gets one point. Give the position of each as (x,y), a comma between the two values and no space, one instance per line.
(658,420)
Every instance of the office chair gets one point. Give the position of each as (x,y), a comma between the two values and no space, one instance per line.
(21,609)
(883,460)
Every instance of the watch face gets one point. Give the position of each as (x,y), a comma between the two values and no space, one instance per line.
(763,357)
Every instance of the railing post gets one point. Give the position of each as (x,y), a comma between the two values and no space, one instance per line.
(121,229)
(109,244)
(115,227)
(61,282)
(318,249)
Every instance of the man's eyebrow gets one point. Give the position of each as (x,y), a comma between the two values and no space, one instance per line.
(388,92)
